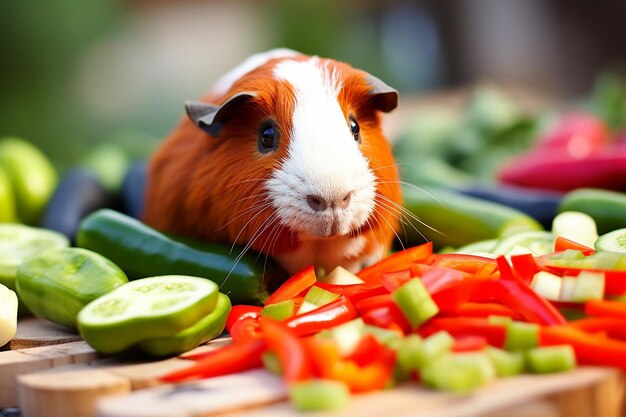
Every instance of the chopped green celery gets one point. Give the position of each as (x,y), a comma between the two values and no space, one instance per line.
(348,335)
(406,357)
(606,260)
(340,276)
(521,336)
(569,255)
(385,336)
(460,372)
(521,242)
(432,347)
(506,363)
(547,285)
(415,302)
(271,362)
(319,395)
(315,298)
(589,286)
(576,226)
(279,311)
(567,288)
(499,320)
(551,359)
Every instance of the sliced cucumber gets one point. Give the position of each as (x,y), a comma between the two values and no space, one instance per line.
(614,241)
(8,314)
(482,246)
(144,309)
(538,242)
(576,226)
(547,285)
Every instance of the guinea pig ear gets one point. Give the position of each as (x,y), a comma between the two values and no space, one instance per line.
(210,117)
(384,97)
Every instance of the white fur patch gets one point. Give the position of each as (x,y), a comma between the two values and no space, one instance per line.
(323,158)
(224,83)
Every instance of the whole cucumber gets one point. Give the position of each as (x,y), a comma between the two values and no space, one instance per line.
(607,208)
(451,219)
(142,252)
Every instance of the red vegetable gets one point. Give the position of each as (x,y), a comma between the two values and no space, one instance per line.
(355,292)
(239,312)
(394,280)
(613,327)
(295,285)
(561,243)
(476,266)
(469,344)
(577,135)
(525,267)
(482,310)
(604,308)
(245,329)
(388,317)
(289,349)
(397,261)
(329,315)
(459,327)
(366,351)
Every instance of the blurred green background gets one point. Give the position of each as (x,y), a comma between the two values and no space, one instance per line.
(78,73)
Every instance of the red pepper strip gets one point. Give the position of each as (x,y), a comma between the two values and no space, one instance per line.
(323,353)
(236,357)
(388,317)
(519,297)
(482,310)
(329,315)
(246,329)
(436,279)
(299,282)
(613,327)
(494,334)
(366,351)
(371,377)
(525,267)
(355,292)
(454,294)
(561,244)
(239,312)
(290,350)
(374,302)
(589,349)
(477,266)
(395,279)
(397,261)
(604,308)
(469,344)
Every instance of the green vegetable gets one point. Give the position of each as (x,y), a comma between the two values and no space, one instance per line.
(33,177)
(547,285)
(205,329)
(18,243)
(109,163)
(145,309)
(142,251)
(271,362)
(348,335)
(607,208)
(7,200)
(506,363)
(316,297)
(588,286)
(576,226)
(415,302)
(406,357)
(384,336)
(319,395)
(450,219)
(461,372)
(58,283)
(432,347)
(8,315)
(521,336)
(537,242)
(551,359)
(279,311)
(614,241)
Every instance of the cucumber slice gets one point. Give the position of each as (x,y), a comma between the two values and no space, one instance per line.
(144,309)
(461,372)
(551,359)
(19,243)
(58,283)
(207,328)
(8,315)
(319,395)
(482,246)
(506,363)
(521,336)
(537,242)
(279,311)
(614,241)
(576,226)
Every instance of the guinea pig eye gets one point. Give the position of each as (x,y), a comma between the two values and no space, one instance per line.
(355,129)
(268,138)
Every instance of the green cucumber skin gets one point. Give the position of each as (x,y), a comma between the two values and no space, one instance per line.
(460,220)
(207,328)
(142,251)
(58,283)
(607,208)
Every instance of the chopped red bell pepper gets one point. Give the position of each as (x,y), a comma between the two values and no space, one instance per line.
(294,286)
(374,302)
(605,308)
(525,267)
(244,329)
(611,326)
(395,279)
(329,315)
(561,243)
(239,312)
(388,317)
(476,266)
(289,348)
(436,279)
(355,292)
(236,357)
(458,327)
(482,310)
(366,351)
(397,261)
(469,344)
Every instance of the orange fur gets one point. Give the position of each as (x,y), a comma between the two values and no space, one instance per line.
(211,187)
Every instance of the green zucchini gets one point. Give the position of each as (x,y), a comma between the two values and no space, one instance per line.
(607,208)
(450,219)
(142,251)
(58,283)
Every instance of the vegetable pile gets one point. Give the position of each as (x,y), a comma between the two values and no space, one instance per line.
(452,321)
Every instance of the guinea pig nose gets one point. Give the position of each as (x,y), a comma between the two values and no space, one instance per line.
(345,201)
(316,202)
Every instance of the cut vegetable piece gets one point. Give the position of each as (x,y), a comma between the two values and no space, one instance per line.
(521,336)
(432,347)
(271,362)
(478,248)
(499,320)
(589,286)
(536,241)
(316,297)
(299,282)
(8,314)
(506,363)
(547,285)
(614,241)
(415,302)
(319,395)
(576,226)
(340,276)
(144,309)
(461,372)
(407,350)
(348,335)
(279,311)
(385,336)
(608,208)
(551,359)
(568,284)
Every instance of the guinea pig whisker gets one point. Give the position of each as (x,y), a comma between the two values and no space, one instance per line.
(384,167)
(258,206)
(390,226)
(407,213)
(415,187)
(399,216)
(247,223)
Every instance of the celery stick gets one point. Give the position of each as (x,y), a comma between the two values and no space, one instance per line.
(460,373)
(506,363)
(279,311)
(316,297)
(415,302)
(271,362)
(521,336)
(319,395)
(432,347)
(589,286)
(551,359)
(384,336)
(406,357)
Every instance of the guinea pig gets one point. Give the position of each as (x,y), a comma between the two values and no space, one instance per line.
(285,156)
